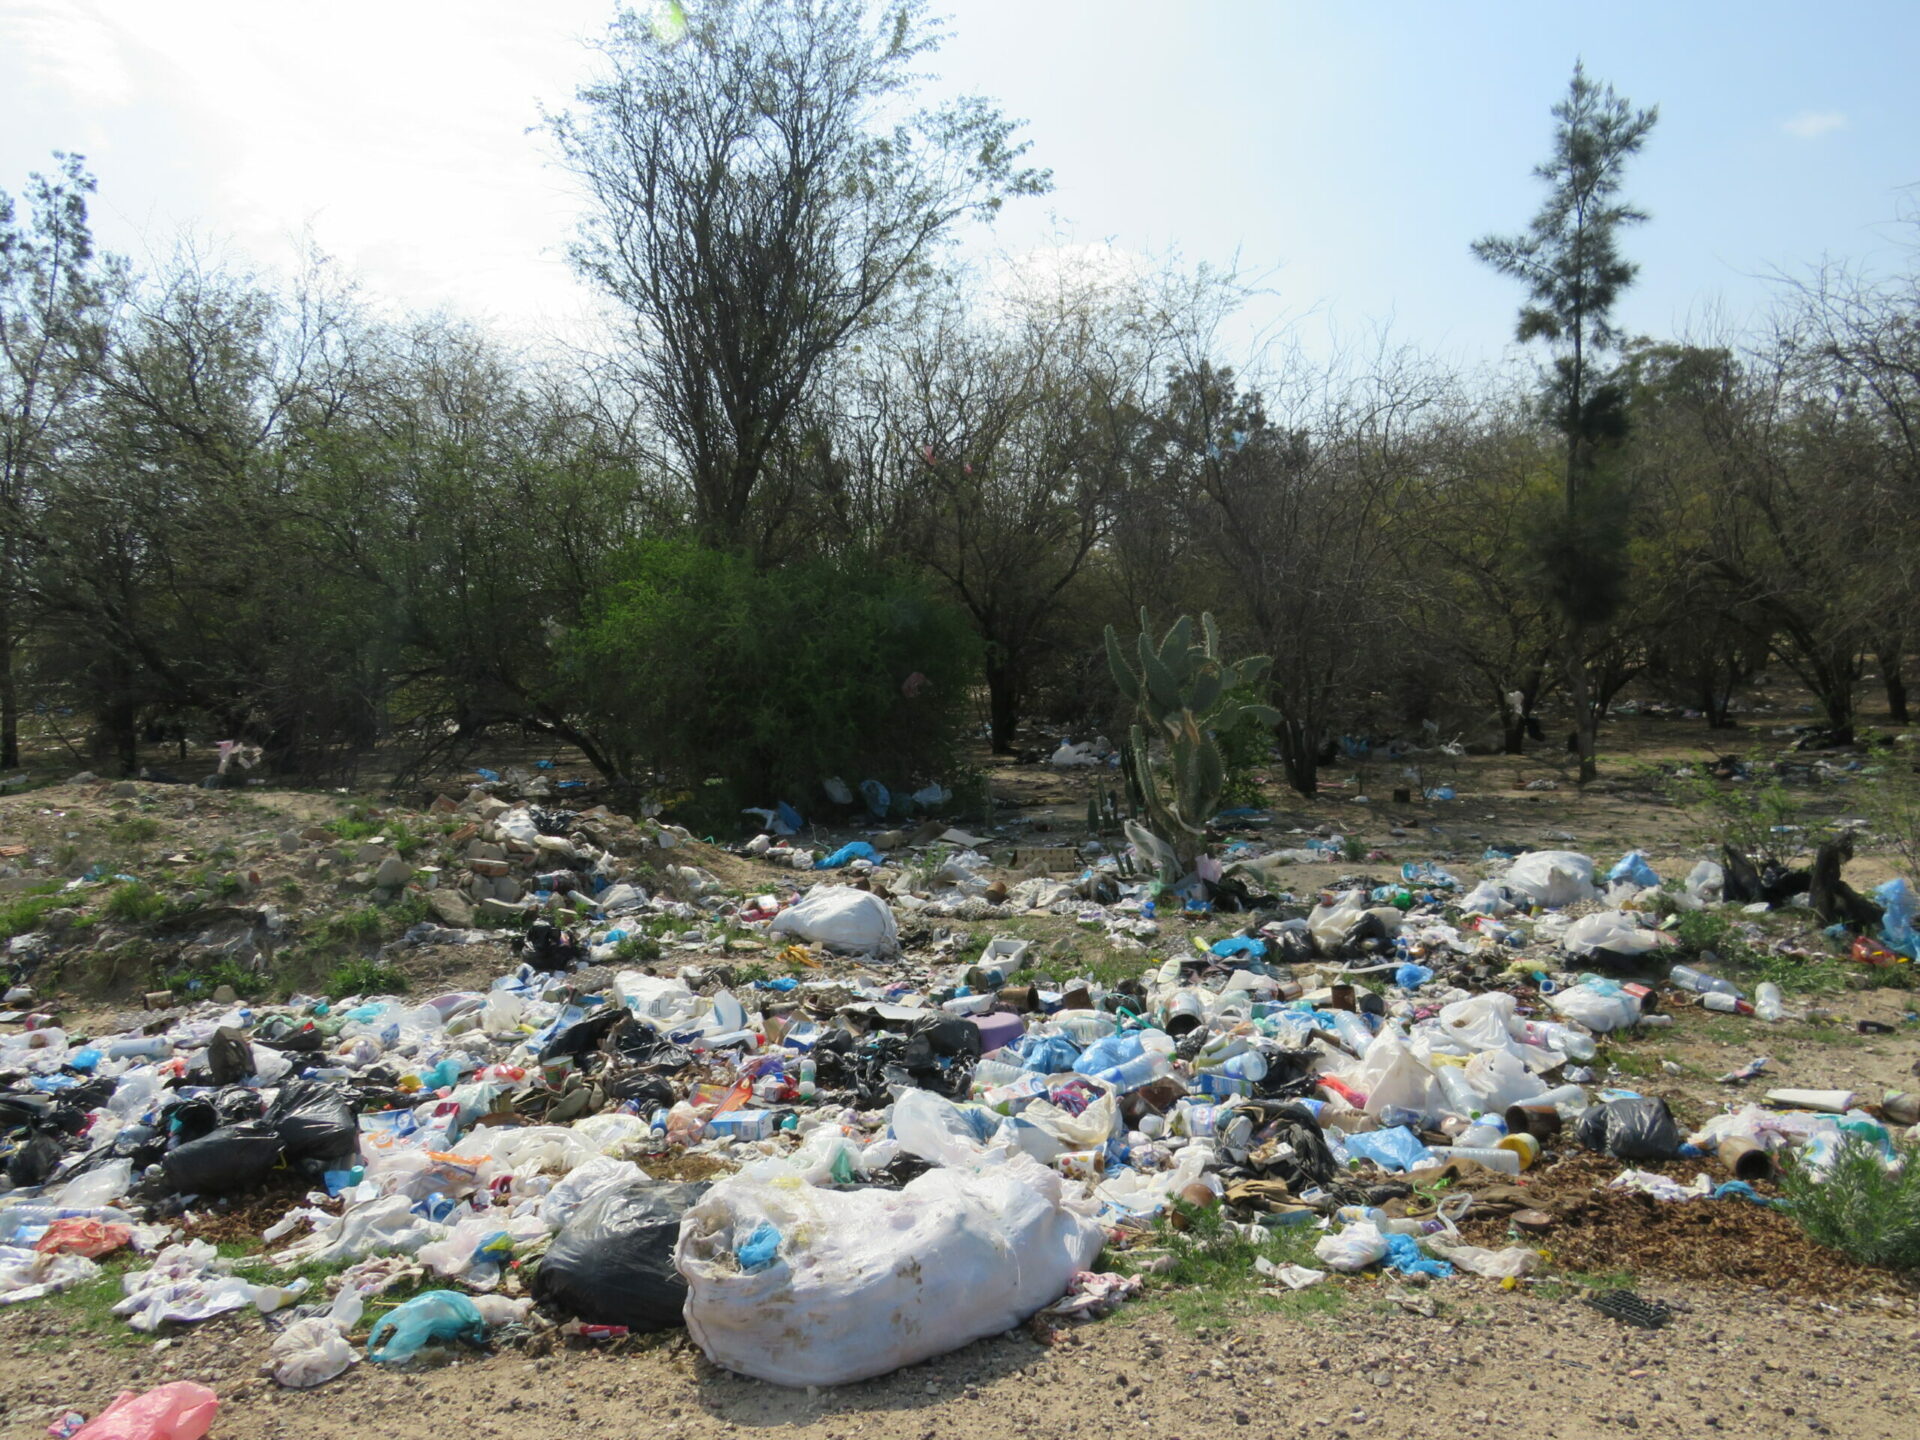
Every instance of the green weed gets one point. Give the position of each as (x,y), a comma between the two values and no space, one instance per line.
(1861,1207)
(1212,1278)
(19,917)
(135,830)
(136,903)
(364,977)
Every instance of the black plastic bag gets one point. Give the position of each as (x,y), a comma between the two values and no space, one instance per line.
(232,1158)
(315,1122)
(620,1083)
(583,1037)
(1639,1129)
(229,1056)
(612,1262)
(281,1032)
(33,1161)
(636,1041)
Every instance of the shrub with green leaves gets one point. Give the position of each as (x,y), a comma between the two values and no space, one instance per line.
(1862,1207)
(695,665)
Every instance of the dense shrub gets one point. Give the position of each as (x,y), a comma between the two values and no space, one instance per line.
(695,667)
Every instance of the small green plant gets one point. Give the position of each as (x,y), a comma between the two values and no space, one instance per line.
(137,903)
(636,950)
(364,823)
(1353,849)
(18,917)
(1761,819)
(205,979)
(1212,1276)
(1734,940)
(365,977)
(361,925)
(1862,1206)
(135,830)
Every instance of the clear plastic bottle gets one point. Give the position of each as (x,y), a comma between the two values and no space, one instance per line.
(1766,1002)
(1142,1070)
(1698,981)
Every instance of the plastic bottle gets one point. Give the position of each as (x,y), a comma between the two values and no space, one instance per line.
(1725,1004)
(1142,1070)
(139,1047)
(1766,1002)
(1698,981)
(1462,1099)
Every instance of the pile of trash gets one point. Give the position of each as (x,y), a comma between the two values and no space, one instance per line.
(895,1157)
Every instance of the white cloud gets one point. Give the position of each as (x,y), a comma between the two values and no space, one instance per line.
(1812,124)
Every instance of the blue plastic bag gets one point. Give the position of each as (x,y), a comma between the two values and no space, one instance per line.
(1896,926)
(1633,867)
(877,797)
(789,817)
(1411,977)
(1395,1149)
(1405,1256)
(1245,945)
(1048,1054)
(1108,1052)
(430,1318)
(853,850)
(760,1249)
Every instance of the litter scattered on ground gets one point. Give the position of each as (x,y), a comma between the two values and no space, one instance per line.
(898,1147)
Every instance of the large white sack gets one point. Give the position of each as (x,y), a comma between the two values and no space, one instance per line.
(866,1281)
(1552,878)
(840,916)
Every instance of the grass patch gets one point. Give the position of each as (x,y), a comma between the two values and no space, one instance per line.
(135,830)
(1861,1208)
(363,823)
(205,979)
(1212,1280)
(86,1311)
(136,903)
(364,977)
(636,950)
(1572,1284)
(1731,939)
(20,917)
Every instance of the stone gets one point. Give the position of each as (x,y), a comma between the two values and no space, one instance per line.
(443,805)
(317,835)
(507,888)
(123,790)
(393,873)
(490,806)
(484,850)
(371,852)
(489,868)
(225,995)
(289,839)
(450,908)
(159,999)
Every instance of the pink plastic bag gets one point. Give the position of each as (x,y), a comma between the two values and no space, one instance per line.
(180,1411)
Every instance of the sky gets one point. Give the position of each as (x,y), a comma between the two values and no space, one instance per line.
(1346,155)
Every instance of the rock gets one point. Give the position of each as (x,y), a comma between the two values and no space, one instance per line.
(393,873)
(371,852)
(443,805)
(490,868)
(123,790)
(316,835)
(159,999)
(85,777)
(489,807)
(506,888)
(450,908)
(225,995)
(497,907)
(484,850)
(288,839)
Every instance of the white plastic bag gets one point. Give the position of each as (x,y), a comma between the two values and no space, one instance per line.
(1353,1248)
(1552,878)
(310,1352)
(1501,1079)
(1613,932)
(842,917)
(1392,1078)
(867,1281)
(1600,1013)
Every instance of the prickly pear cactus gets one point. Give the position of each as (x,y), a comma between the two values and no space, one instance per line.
(1180,692)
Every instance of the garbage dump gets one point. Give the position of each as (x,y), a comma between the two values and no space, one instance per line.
(900,1145)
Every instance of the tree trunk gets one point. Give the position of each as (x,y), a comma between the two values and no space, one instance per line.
(1586,723)
(1513,735)
(1894,681)
(1003,706)
(9,699)
(1299,755)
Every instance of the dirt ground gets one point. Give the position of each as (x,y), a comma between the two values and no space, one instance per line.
(1769,1337)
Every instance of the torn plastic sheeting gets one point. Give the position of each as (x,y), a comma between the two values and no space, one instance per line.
(1396,1149)
(870,1280)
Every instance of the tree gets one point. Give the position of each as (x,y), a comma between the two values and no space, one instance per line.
(53,307)
(1570,262)
(759,194)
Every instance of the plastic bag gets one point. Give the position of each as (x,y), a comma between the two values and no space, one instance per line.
(1500,1079)
(612,1262)
(867,1281)
(1706,882)
(1641,1128)
(310,1352)
(842,917)
(1634,869)
(1392,1077)
(100,1186)
(1405,1257)
(939,1131)
(234,1157)
(180,1411)
(1552,878)
(1353,1248)
(314,1121)
(432,1317)
(90,1238)
(1613,935)
(1598,1011)
(1395,1149)
(1486,898)
(1896,925)
(1510,1263)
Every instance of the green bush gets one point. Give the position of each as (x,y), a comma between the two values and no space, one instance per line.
(365,977)
(17,917)
(695,666)
(136,903)
(1861,1207)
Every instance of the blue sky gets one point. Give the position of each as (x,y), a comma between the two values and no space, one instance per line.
(1347,153)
